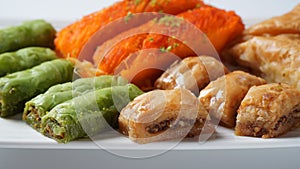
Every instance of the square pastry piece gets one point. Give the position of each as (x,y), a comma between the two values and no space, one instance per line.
(222,97)
(268,111)
(163,115)
(192,73)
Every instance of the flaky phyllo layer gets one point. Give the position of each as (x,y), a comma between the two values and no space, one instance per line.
(163,115)
(269,111)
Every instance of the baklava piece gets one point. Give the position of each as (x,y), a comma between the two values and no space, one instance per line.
(164,115)
(268,111)
(222,97)
(287,23)
(192,73)
(275,58)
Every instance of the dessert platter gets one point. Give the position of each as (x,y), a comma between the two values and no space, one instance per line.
(240,90)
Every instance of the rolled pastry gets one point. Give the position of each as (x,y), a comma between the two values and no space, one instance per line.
(18,87)
(87,115)
(40,105)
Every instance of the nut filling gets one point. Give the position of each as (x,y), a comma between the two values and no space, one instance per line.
(289,119)
(296,111)
(257,131)
(33,115)
(162,126)
(48,131)
(282,120)
(169,123)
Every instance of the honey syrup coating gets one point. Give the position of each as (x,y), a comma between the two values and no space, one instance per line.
(284,24)
(222,97)
(164,115)
(275,58)
(192,73)
(268,111)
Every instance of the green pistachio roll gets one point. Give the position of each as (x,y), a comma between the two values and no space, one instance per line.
(24,58)
(19,87)
(37,107)
(88,114)
(30,33)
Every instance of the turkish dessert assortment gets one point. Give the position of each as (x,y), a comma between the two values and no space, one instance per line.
(183,69)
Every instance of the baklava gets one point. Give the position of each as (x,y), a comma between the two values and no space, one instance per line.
(268,111)
(162,115)
(192,73)
(222,97)
(275,58)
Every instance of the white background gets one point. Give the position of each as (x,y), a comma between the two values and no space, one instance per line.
(70,10)
(67,11)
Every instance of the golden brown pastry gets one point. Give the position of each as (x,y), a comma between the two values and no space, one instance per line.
(276,58)
(192,73)
(163,115)
(287,23)
(222,97)
(268,111)
(293,37)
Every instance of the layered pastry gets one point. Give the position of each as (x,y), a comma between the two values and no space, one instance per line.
(271,48)
(192,73)
(164,115)
(276,58)
(268,111)
(222,97)
(287,23)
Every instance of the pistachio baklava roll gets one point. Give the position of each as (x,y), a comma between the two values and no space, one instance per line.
(37,107)
(30,33)
(24,59)
(88,114)
(19,87)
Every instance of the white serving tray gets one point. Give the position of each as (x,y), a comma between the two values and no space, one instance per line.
(14,133)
